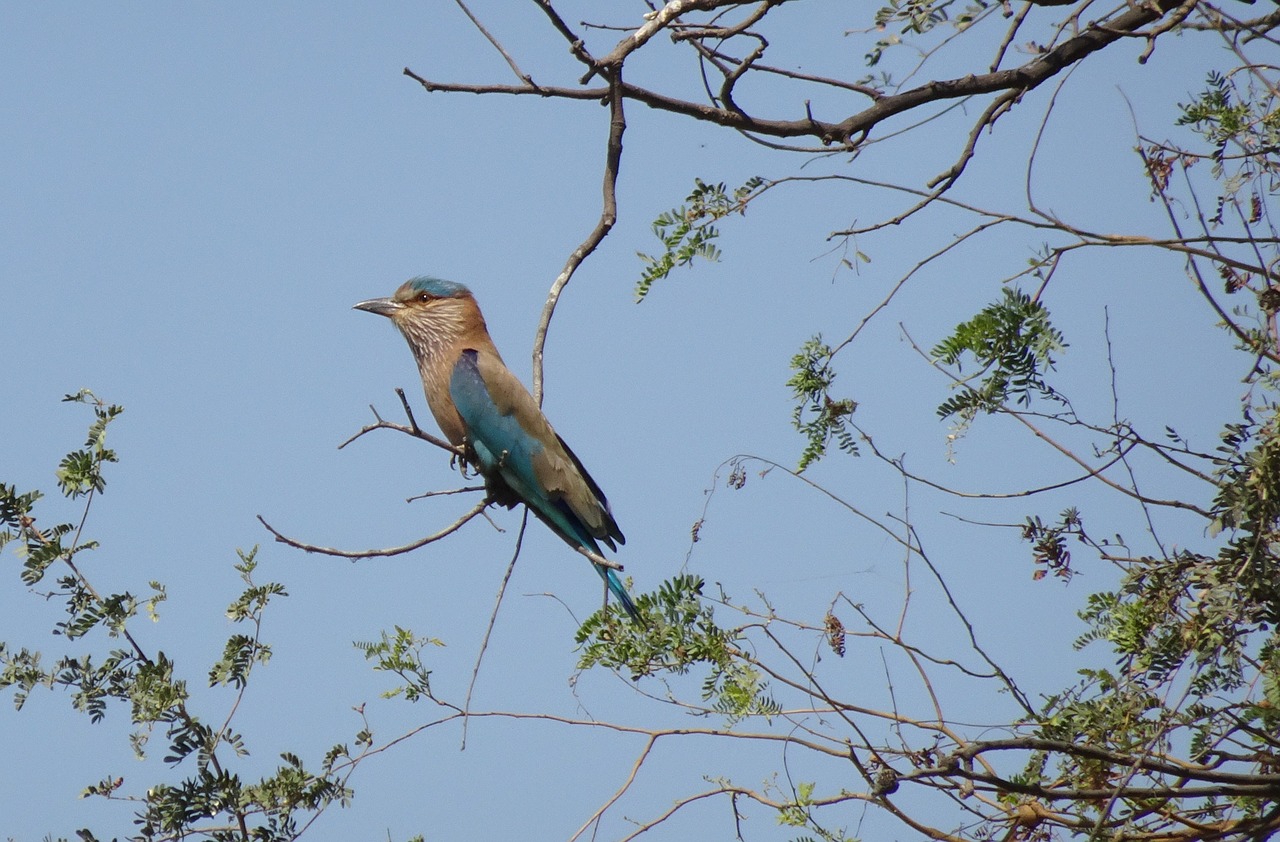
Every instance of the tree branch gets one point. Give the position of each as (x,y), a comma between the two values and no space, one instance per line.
(389,551)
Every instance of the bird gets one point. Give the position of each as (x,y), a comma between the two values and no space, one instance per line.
(484,408)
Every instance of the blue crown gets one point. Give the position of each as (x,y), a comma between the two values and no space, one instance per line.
(437,287)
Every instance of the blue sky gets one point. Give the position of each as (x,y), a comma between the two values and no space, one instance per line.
(195,196)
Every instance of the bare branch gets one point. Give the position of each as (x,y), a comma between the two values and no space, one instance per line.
(849,132)
(608,215)
(411,430)
(493,619)
(389,551)
(597,559)
(520,74)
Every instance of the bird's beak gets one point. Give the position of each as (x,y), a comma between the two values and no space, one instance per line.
(382,306)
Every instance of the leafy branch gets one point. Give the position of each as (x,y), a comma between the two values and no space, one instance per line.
(211,801)
(688,231)
(680,633)
(817,415)
(1012,343)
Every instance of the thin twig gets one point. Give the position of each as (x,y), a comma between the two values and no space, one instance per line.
(596,558)
(426,494)
(389,551)
(1061,448)
(515,68)
(635,770)
(412,430)
(608,215)
(493,618)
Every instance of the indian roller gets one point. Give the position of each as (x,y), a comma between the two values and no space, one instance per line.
(483,407)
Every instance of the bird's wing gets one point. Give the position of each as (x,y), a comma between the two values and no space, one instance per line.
(613,532)
(513,438)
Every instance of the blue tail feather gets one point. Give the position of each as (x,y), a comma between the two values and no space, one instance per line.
(566,524)
(615,587)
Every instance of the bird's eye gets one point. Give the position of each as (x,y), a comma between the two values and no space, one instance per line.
(424,297)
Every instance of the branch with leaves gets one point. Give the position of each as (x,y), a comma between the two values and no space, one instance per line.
(210,800)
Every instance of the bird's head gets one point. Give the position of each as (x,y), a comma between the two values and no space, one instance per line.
(417,297)
(428,310)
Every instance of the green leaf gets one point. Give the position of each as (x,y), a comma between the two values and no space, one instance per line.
(401,653)
(820,417)
(1012,344)
(688,232)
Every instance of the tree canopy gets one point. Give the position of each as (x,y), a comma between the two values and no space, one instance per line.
(1061,381)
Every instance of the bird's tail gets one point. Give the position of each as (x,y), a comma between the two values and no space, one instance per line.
(615,587)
